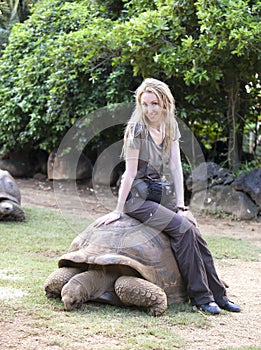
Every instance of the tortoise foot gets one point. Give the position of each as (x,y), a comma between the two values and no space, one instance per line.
(142,293)
(57,279)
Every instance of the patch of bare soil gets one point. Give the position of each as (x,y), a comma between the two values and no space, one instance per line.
(235,330)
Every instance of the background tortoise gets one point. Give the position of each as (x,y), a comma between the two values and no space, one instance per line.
(124,262)
(10,198)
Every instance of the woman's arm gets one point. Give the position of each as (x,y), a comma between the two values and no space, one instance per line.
(131,163)
(176,171)
(132,158)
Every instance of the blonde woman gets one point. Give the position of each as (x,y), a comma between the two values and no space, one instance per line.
(151,139)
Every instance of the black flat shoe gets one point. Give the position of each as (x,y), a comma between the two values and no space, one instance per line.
(230,306)
(211,308)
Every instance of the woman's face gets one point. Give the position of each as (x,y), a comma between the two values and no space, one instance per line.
(152,108)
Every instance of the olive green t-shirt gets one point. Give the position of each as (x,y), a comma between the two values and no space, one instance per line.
(151,155)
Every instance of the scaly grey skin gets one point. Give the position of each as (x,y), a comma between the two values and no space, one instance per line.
(57,279)
(139,292)
(88,285)
(10,210)
(76,287)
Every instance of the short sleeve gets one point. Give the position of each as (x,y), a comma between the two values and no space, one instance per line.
(134,139)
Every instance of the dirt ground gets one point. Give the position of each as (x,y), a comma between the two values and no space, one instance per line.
(235,330)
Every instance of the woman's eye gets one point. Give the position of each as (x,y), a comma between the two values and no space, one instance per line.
(153,104)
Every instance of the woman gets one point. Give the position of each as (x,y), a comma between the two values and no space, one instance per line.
(152,137)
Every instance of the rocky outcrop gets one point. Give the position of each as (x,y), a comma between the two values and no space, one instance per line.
(250,183)
(25,164)
(68,168)
(216,189)
(207,175)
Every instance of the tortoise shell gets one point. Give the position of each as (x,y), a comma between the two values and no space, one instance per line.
(127,242)
(8,188)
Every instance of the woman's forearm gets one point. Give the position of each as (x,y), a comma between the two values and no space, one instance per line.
(124,190)
(176,171)
(128,177)
(177,176)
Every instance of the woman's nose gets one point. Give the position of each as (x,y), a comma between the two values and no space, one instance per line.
(151,108)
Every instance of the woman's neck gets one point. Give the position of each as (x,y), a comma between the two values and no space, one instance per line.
(157,134)
(156,127)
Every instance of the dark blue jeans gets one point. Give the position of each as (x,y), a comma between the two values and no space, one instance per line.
(192,254)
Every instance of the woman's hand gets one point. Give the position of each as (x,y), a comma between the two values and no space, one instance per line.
(107,219)
(132,158)
(180,212)
(188,215)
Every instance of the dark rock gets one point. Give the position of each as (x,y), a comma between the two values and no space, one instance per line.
(17,167)
(24,163)
(108,167)
(226,199)
(39,161)
(207,175)
(39,177)
(66,168)
(250,183)
(238,204)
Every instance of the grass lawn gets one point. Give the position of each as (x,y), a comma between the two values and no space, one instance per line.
(29,253)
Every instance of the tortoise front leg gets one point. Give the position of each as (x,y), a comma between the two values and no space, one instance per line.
(139,292)
(88,285)
(57,279)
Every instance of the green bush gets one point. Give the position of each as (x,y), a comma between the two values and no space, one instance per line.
(73,57)
(56,69)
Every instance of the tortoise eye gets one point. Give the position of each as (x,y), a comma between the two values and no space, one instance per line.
(77,305)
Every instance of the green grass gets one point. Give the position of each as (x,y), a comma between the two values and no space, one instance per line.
(226,247)
(29,253)
(243,348)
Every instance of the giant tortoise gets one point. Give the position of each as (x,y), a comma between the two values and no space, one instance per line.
(10,198)
(123,263)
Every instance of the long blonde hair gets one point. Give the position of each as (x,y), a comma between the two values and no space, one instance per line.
(166,100)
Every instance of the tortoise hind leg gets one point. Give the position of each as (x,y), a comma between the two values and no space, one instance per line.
(57,279)
(139,292)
